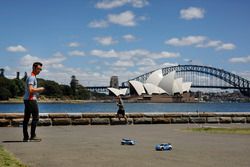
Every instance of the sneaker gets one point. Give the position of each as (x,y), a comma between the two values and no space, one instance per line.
(35,138)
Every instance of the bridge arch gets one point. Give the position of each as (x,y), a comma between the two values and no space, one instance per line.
(234,81)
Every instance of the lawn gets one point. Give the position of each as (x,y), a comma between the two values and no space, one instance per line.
(8,160)
(245,131)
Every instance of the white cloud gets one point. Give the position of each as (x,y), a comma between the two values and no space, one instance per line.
(200,42)
(28,60)
(54,68)
(110,4)
(120,63)
(167,64)
(245,74)
(145,69)
(76,53)
(74,44)
(210,44)
(192,13)
(139,3)
(166,55)
(105,54)
(126,18)
(226,46)
(128,37)
(185,41)
(240,59)
(106,40)
(18,48)
(98,24)
(7,68)
(141,53)
(146,62)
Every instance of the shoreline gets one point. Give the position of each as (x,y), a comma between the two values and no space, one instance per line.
(19,101)
(56,101)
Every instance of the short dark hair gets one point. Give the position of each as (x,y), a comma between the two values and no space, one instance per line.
(37,64)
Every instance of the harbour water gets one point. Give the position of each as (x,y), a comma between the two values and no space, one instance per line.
(130,107)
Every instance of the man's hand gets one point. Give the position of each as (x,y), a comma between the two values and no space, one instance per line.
(41,89)
(35,90)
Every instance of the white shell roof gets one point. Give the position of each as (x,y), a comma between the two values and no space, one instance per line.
(155,78)
(150,88)
(138,86)
(167,82)
(124,91)
(177,87)
(118,92)
(186,86)
(157,84)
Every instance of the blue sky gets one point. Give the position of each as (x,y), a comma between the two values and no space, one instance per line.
(95,39)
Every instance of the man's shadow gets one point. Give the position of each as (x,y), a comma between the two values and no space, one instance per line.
(13,141)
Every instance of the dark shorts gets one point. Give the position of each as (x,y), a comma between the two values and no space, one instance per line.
(121,112)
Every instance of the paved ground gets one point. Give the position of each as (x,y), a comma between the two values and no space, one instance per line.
(99,146)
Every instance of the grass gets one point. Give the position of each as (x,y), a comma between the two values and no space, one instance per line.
(245,131)
(8,160)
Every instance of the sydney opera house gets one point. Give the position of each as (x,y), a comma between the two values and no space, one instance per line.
(157,88)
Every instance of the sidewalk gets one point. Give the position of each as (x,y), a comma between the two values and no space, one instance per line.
(99,146)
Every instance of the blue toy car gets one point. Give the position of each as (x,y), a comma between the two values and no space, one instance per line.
(127,142)
(163,146)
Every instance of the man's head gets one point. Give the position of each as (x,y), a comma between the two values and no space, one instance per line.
(37,68)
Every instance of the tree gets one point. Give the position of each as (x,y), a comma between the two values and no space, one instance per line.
(9,85)
(83,93)
(4,94)
(52,88)
(11,88)
(20,84)
(66,90)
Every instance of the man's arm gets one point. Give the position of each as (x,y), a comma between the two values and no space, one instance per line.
(35,90)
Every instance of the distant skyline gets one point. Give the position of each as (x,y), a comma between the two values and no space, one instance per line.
(96,39)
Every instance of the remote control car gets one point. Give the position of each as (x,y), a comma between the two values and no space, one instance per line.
(127,142)
(163,146)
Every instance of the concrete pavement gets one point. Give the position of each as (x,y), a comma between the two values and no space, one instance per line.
(99,146)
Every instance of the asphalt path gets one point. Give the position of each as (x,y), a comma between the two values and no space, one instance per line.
(99,146)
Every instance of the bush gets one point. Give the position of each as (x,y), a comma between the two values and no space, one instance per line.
(4,94)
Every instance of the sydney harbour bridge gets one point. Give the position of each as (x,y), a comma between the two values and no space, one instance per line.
(200,76)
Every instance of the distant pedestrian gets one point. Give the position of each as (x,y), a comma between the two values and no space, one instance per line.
(121,110)
(30,103)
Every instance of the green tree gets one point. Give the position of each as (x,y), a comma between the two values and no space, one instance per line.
(13,88)
(67,91)
(9,85)
(20,87)
(4,94)
(83,93)
(52,88)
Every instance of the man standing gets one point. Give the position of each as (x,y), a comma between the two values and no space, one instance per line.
(30,103)
(121,111)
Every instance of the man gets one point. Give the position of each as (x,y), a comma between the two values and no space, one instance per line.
(121,110)
(30,103)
